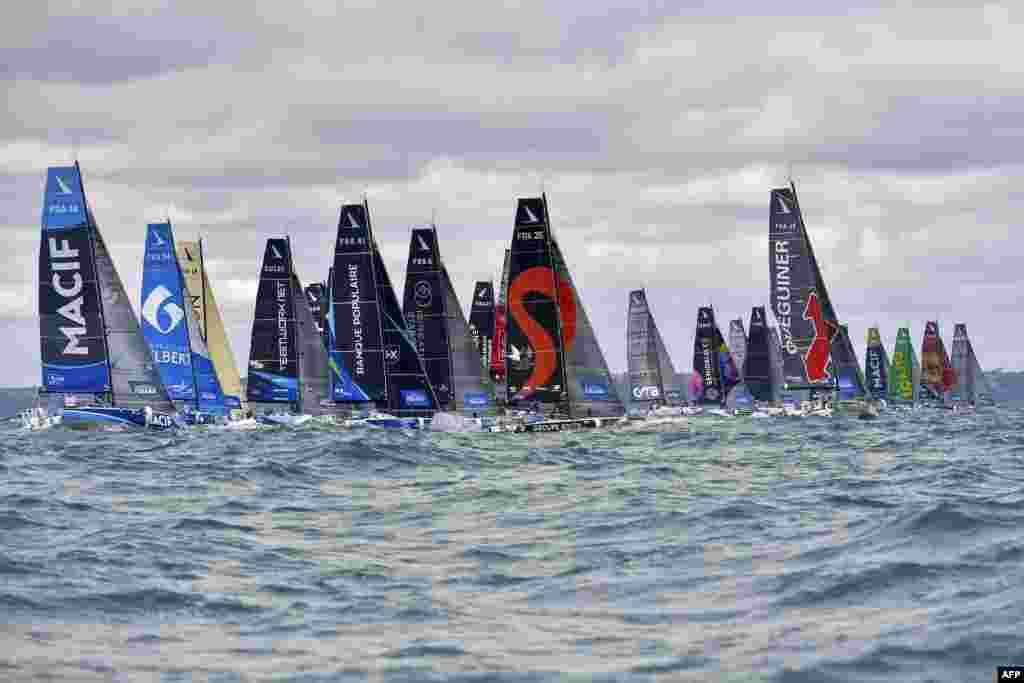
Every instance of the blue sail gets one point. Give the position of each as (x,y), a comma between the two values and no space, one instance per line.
(163,314)
(171,330)
(72,343)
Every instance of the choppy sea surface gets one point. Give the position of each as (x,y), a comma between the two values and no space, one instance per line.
(732,550)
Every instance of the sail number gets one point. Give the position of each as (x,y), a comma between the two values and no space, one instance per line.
(529,234)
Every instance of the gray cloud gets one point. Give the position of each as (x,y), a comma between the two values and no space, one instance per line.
(657,132)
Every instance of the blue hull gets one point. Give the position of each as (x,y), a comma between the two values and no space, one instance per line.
(97,416)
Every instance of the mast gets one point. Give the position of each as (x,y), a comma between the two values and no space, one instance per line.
(99,289)
(549,235)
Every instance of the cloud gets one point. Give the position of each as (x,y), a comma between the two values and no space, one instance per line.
(656,131)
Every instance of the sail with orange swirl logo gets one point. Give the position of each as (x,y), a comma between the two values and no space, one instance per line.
(807,322)
(553,360)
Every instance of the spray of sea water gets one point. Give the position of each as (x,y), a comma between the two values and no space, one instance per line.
(741,550)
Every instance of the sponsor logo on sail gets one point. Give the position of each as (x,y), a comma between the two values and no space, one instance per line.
(142,388)
(391,354)
(422,293)
(274,252)
(414,398)
(62,185)
(423,243)
(783,294)
(646,393)
(352,222)
(817,357)
(638,298)
(157,240)
(783,205)
(530,217)
(159,299)
(282,326)
(68,283)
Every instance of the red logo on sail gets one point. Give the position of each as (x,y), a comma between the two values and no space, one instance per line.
(542,280)
(816,360)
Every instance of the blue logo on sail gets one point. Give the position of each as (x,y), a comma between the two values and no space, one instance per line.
(476,399)
(414,398)
(63,202)
(594,389)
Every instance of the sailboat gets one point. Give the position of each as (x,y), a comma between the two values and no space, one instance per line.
(800,302)
(758,370)
(553,359)
(93,353)
(972,387)
(937,375)
(211,325)
(481,321)
(653,386)
(876,367)
(714,370)
(499,369)
(287,376)
(904,377)
(170,328)
(435,321)
(742,399)
(374,361)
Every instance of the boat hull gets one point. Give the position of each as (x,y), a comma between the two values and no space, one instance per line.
(99,417)
(285,420)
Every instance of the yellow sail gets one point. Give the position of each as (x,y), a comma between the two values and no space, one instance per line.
(207,315)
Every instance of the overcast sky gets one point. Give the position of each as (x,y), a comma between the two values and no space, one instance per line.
(656,132)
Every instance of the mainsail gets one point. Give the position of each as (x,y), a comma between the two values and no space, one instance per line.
(90,339)
(373,360)
(903,371)
(937,376)
(443,340)
(971,384)
(273,355)
(876,365)
(738,344)
(316,299)
(757,363)
(552,351)
(847,368)
(799,300)
(481,320)
(715,372)
(209,322)
(646,385)
(170,327)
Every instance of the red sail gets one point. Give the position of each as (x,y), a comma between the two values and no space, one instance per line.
(820,351)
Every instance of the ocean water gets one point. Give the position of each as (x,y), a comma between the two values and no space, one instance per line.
(718,550)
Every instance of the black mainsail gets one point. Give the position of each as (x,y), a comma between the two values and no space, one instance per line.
(90,339)
(443,340)
(374,362)
(273,375)
(715,372)
(801,304)
(552,352)
(758,373)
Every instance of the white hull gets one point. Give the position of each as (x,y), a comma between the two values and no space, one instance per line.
(36,420)
(284,420)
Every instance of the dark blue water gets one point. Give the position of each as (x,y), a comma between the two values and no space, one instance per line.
(768,550)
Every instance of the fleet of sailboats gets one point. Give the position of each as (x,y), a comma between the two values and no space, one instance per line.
(527,359)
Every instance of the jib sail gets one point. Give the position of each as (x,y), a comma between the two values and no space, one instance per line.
(209,322)
(903,373)
(847,367)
